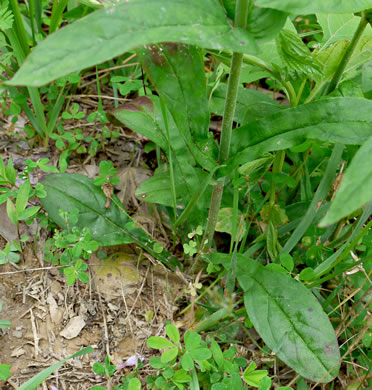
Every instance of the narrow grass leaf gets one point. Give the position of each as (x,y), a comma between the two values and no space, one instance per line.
(35,381)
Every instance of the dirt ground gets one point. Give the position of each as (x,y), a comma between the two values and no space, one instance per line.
(51,320)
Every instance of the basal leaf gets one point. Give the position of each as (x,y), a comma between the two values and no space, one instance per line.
(343,120)
(305,7)
(111,31)
(177,72)
(74,191)
(290,320)
(109,226)
(356,186)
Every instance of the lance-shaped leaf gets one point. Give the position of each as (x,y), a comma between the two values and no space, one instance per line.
(356,186)
(109,32)
(305,7)
(109,226)
(290,320)
(177,73)
(343,120)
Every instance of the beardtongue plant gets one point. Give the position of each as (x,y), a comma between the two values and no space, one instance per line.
(255,41)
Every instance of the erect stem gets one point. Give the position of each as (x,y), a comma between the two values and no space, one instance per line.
(241,16)
(349,51)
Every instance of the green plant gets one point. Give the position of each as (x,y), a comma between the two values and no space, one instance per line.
(70,247)
(198,364)
(129,382)
(273,174)
(17,191)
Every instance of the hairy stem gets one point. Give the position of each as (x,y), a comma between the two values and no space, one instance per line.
(241,16)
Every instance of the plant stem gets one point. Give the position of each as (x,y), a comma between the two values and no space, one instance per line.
(241,16)
(348,53)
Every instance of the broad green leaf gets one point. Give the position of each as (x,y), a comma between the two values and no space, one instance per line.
(144,116)
(36,380)
(177,73)
(263,23)
(356,186)
(290,320)
(158,342)
(109,226)
(250,105)
(343,120)
(338,27)
(109,32)
(75,191)
(305,7)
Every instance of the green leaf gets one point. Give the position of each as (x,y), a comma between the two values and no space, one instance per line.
(169,355)
(173,333)
(217,355)
(5,371)
(200,353)
(290,320)
(356,186)
(36,380)
(28,213)
(11,211)
(158,342)
(74,191)
(338,27)
(296,56)
(177,72)
(98,368)
(134,384)
(111,31)
(254,378)
(5,324)
(186,362)
(250,105)
(344,120)
(304,7)
(287,261)
(22,196)
(181,376)
(192,340)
